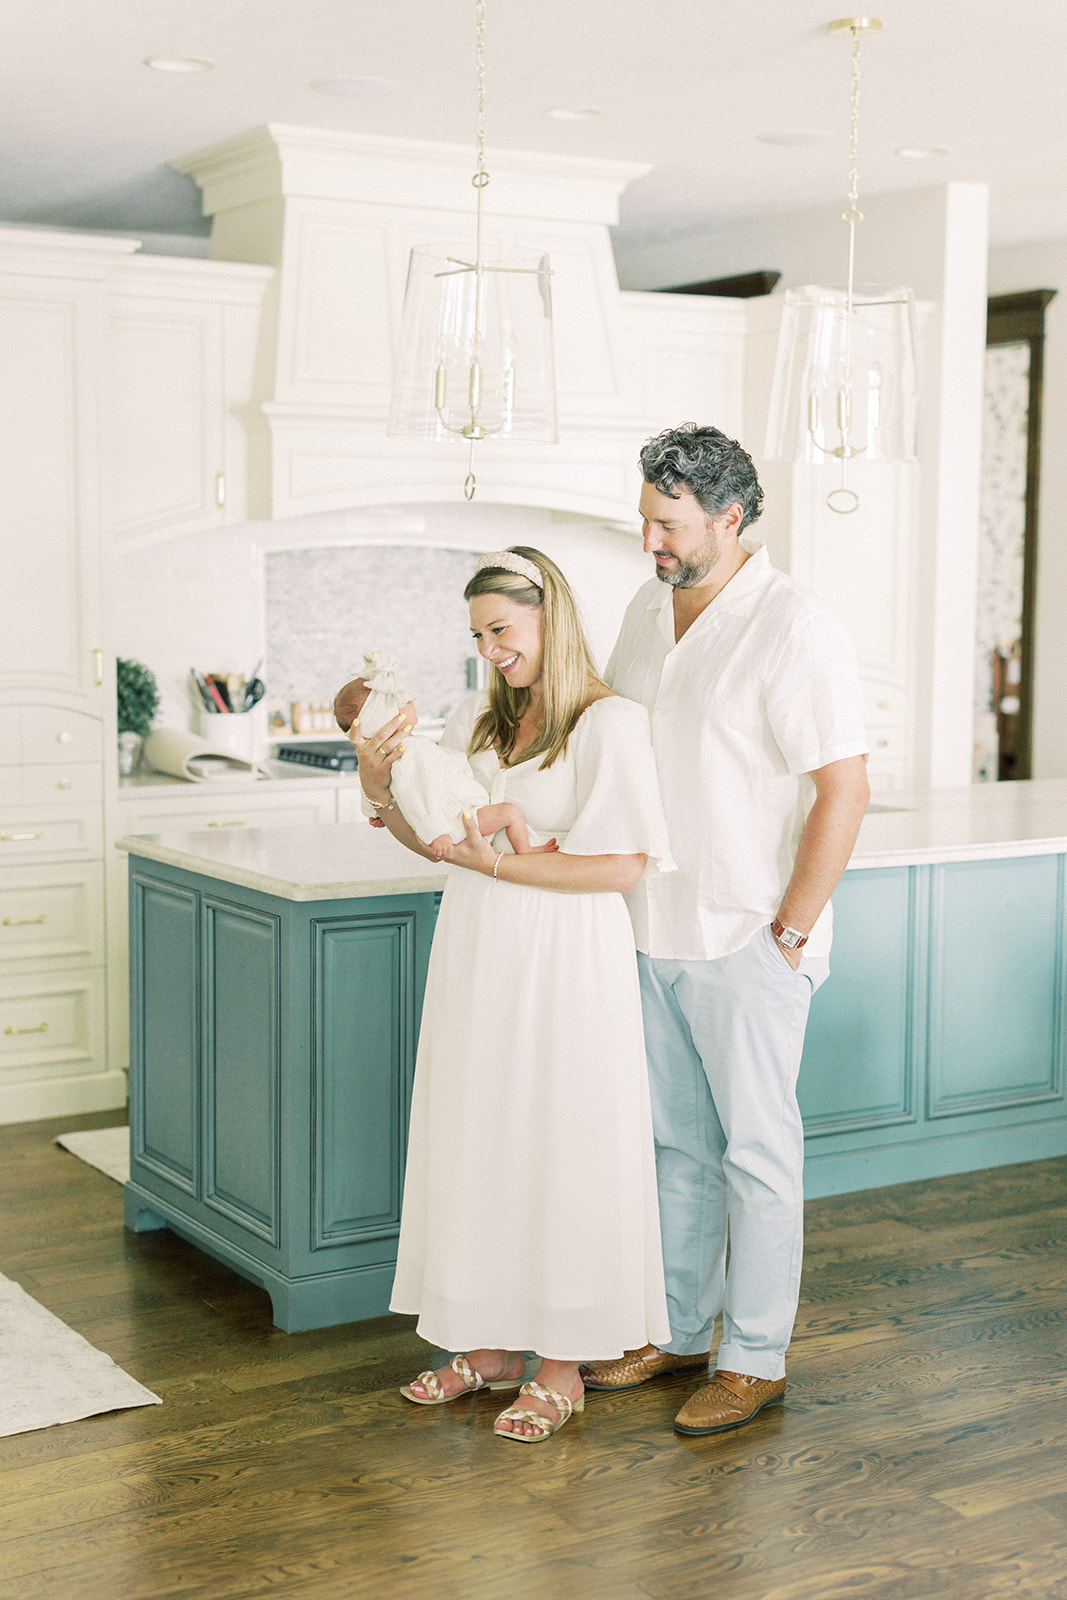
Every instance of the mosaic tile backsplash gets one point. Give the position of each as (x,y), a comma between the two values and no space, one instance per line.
(325,607)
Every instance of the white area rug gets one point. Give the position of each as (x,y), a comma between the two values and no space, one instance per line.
(50,1374)
(107,1149)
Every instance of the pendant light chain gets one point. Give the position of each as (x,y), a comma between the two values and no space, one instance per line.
(853,216)
(480,179)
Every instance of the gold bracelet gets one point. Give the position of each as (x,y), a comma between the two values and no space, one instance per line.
(496,865)
(380,805)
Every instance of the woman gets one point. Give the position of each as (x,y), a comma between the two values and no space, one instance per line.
(530,1218)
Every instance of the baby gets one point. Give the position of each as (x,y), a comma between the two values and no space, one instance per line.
(432,786)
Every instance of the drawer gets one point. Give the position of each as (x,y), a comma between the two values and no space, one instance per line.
(80,787)
(51,1025)
(239,811)
(887,744)
(52,915)
(49,734)
(10,738)
(46,832)
(884,703)
(885,777)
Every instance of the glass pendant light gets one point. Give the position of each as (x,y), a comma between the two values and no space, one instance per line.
(844,378)
(475,358)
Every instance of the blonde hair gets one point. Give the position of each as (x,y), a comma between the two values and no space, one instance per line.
(569,678)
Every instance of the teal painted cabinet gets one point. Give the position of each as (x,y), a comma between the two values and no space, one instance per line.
(272,1052)
(273,1048)
(938,1043)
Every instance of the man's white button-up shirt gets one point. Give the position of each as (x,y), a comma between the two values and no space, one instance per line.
(761,690)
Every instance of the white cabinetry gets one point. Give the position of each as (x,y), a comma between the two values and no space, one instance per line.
(56,695)
(53,1040)
(182,344)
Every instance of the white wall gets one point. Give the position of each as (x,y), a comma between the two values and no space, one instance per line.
(1043,265)
(200,600)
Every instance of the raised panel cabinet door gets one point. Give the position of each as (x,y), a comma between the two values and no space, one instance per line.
(857,1070)
(165,1030)
(368,972)
(166,416)
(49,548)
(997,975)
(242,1010)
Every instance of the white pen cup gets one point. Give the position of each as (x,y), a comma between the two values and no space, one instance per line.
(238,733)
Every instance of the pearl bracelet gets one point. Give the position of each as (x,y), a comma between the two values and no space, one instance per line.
(380,805)
(496,866)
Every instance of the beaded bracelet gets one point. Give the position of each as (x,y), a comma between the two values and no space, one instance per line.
(381,805)
(496,866)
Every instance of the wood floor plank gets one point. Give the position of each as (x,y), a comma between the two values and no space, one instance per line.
(917,1456)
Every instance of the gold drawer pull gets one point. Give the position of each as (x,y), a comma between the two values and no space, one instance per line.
(42,1027)
(64,737)
(19,838)
(240,822)
(65,783)
(23,922)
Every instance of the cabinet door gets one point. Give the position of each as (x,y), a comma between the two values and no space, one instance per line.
(166,416)
(49,548)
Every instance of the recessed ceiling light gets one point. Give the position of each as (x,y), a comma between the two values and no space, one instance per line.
(923,152)
(178,64)
(354,88)
(575,113)
(796,136)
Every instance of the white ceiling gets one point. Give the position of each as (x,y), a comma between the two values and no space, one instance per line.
(685,85)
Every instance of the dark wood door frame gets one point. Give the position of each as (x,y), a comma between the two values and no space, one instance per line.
(1020,319)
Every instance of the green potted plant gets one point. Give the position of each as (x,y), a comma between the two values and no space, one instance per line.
(138,702)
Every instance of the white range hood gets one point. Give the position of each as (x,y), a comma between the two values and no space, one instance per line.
(336,215)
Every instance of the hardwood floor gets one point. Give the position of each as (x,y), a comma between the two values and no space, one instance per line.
(921,1451)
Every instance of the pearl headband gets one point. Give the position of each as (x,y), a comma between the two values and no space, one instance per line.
(510,562)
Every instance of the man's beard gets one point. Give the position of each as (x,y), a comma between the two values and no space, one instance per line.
(686,574)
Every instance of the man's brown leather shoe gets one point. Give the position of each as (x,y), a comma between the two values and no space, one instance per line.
(729,1401)
(633,1369)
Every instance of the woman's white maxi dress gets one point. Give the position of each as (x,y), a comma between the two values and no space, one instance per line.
(530,1219)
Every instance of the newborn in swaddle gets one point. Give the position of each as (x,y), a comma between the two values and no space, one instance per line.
(432,786)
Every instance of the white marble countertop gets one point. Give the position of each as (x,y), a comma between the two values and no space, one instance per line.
(982,822)
(145,784)
(320,861)
(339,861)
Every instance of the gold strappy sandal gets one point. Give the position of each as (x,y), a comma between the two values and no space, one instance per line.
(545,1428)
(472,1381)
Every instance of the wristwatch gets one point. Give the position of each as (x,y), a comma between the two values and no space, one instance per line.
(788,938)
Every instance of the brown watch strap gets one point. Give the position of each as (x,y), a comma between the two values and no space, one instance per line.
(778,928)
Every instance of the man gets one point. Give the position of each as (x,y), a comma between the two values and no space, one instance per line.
(753,690)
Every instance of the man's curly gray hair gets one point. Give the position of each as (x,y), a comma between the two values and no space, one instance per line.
(715,469)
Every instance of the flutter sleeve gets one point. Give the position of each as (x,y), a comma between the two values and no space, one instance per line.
(619,807)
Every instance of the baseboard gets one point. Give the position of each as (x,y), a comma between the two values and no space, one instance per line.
(844,1173)
(62,1097)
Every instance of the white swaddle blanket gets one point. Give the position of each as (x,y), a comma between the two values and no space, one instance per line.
(432,786)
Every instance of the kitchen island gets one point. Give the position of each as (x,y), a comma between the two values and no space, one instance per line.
(276,981)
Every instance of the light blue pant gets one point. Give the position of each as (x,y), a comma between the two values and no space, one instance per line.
(724,1042)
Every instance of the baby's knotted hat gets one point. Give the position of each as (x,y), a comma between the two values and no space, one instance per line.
(387,693)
